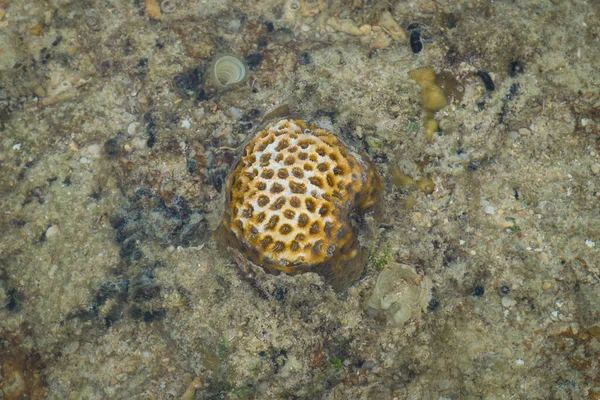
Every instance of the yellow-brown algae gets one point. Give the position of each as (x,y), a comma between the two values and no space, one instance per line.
(391,26)
(432,96)
(152,9)
(289,200)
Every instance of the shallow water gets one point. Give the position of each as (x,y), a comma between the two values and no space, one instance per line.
(115,145)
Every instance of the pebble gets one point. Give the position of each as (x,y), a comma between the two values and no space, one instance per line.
(139,143)
(234,25)
(93,150)
(52,231)
(236,113)
(546,285)
(444,384)
(524,132)
(596,168)
(508,302)
(132,128)
(185,124)
(487,207)
(305,28)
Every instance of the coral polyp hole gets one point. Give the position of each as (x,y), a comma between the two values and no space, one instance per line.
(297,172)
(267,240)
(310,205)
(272,222)
(314,228)
(289,214)
(260,217)
(263,200)
(323,167)
(267,173)
(279,247)
(295,202)
(279,203)
(276,188)
(302,220)
(318,182)
(297,187)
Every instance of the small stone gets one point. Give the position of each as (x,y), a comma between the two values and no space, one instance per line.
(444,384)
(596,168)
(234,25)
(546,285)
(508,302)
(139,143)
(132,128)
(52,231)
(93,150)
(524,132)
(185,124)
(2,13)
(304,58)
(478,291)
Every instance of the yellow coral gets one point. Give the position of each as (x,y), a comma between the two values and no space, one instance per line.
(289,199)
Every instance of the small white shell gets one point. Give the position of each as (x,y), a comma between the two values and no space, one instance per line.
(227,71)
(400,293)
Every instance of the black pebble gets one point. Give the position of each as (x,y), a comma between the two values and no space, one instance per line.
(14,301)
(146,293)
(143,63)
(269,26)
(515,67)
(151,129)
(246,125)
(112,148)
(433,305)
(254,59)
(189,82)
(154,315)
(280,293)
(478,291)
(487,80)
(415,41)
(304,58)
(191,166)
(218,180)
(504,289)
(253,113)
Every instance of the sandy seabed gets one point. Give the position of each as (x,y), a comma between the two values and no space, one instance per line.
(115,144)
